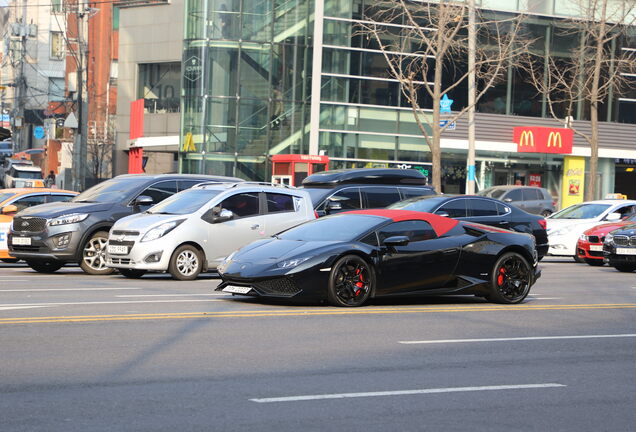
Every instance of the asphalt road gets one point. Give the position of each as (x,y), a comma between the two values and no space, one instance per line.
(84,353)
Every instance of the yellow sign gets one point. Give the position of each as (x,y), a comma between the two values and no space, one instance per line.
(527,138)
(554,140)
(188,143)
(572,189)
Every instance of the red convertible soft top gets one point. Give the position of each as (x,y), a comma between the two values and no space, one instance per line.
(440,224)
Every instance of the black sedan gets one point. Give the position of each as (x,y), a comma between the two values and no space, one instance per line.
(351,257)
(619,248)
(483,210)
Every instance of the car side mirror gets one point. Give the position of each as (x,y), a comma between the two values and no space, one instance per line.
(508,200)
(394,241)
(614,217)
(333,206)
(143,200)
(217,215)
(8,209)
(442,214)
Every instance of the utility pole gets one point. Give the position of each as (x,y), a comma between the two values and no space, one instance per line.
(470,177)
(21,30)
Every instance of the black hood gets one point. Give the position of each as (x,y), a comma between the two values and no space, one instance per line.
(628,230)
(52,210)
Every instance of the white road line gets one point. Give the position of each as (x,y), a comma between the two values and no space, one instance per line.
(18,280)
(171,295)
(405,392)
(2,308)
(107,302)
(69,289)
(518,339)
(546,298)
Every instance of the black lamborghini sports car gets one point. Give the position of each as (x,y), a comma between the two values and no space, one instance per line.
(350,257)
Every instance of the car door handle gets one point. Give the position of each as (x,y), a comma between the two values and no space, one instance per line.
(449,251)
(255,226)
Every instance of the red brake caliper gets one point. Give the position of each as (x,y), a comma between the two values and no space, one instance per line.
(501,276)
(360,283)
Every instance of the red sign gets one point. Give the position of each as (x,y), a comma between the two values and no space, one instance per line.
(535,139)
(535,180)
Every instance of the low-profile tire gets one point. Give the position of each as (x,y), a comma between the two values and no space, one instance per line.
(9,260)
(594,262)
(511,279)
(186,263)
(578,259)
(42,266)
(93,260)
(546,213)
(627,268)
(351,282)
(132,273)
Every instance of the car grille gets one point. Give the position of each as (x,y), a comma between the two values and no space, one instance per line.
(22,248)
(125,233)
(121,243)
(623,240)
(596,253)
(280,286)
(124,261)
(593,239)
(29,224)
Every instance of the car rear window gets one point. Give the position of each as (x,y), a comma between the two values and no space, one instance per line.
(532,195)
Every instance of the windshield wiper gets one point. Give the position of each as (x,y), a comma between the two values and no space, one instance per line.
(85,201)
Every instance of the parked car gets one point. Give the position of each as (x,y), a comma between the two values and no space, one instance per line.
(483,210)
(196,229)
(566,226)
(50,235)
(619,248)
(531,199)
(20,173)
(351,189)
(589,247)
(352,257)
(15,200)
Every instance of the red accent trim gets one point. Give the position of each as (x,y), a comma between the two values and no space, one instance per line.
(487,228)
(440,224)
(543,223)
(136,119)
(135,160)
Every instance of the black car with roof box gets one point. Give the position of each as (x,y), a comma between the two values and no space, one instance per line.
(363,188)
(49,235)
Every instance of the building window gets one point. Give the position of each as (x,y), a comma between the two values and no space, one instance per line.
(56,89)
(56,6)
(159,85)
(57,45)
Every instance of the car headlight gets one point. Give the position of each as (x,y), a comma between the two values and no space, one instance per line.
(583,237)
(292,262)
(68,219)
(609,238)
(161,230)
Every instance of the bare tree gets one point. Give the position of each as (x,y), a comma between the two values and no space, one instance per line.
(586,75)
(99,151)
(427,53)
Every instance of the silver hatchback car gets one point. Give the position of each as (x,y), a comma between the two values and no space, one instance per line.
(195,230)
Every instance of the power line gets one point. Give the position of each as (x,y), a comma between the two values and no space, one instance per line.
(113,2)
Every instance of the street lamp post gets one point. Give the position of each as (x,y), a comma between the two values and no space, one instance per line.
(470,177)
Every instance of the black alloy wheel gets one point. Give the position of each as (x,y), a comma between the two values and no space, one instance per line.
(132,273)
(627,268)
(42,266)
(594,262)
(351,281)
(511,279)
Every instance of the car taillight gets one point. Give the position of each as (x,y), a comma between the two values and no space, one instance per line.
(543,223)
(554,203)
(316,214)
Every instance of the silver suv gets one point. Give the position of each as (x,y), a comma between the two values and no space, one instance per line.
(195,230)
(531,199)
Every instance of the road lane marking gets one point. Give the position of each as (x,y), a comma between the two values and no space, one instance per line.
(545,298)
(3,308)
(69,289)
(405,392)
(171,295)
(107,302)
(298,312)
(531,338)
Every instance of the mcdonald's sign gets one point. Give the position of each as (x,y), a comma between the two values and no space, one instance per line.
(536,139)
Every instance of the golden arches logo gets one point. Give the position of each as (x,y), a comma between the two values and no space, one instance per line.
(527,138)
(555,140)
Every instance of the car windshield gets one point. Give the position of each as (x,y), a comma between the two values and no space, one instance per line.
(316,194)
(112,190)
(424,204)
(581,211)
(5,196)
(185,202)
(343,227)
(5,146)
(492,192)
(28,174)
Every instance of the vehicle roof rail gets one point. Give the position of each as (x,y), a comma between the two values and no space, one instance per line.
(208,183)
(262,184)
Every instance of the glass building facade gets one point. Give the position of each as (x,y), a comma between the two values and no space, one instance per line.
(248,92)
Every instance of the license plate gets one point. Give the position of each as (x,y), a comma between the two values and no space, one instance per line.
(625,251)
(596,248)
(237,289)
(23,241)
(115,249)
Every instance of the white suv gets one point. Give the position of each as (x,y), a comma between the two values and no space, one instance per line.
(196,229)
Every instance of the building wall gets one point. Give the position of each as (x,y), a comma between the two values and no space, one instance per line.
(147,34)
